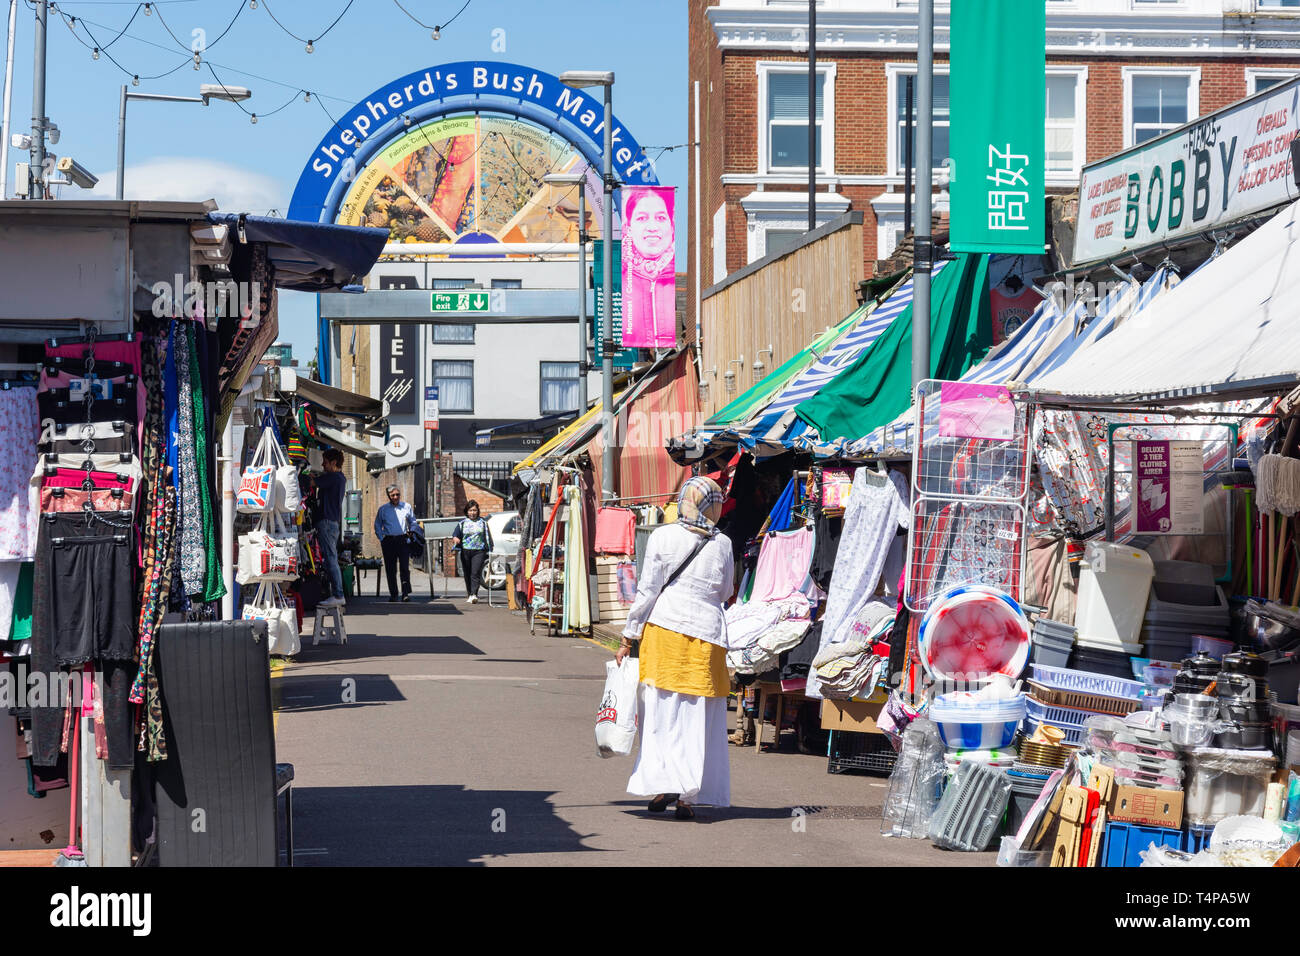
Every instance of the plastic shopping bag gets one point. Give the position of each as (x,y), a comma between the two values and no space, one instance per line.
(616,718)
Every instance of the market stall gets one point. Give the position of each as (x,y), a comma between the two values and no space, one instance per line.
(116,539)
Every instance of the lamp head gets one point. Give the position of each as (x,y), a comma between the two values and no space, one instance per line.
(583,78)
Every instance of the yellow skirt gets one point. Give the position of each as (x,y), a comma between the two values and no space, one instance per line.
(683,665)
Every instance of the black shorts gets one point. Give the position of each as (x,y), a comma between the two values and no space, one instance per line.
(90,606)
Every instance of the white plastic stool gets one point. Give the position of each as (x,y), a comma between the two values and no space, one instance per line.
(322,631)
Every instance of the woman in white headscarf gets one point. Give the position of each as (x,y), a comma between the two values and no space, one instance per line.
(686,578)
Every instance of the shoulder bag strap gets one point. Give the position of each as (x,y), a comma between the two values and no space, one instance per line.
(699,546)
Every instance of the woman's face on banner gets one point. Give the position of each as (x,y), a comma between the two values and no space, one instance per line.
(651,227)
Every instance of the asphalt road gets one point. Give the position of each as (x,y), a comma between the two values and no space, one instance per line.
(444,734)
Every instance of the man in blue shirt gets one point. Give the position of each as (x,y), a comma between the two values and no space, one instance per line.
(392,522)
(330,487)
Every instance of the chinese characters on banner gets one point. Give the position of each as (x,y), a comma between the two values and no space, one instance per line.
(998,101)
(1168,477)
(649,268)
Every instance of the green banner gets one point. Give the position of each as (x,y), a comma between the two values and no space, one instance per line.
(998,98)
(623,358)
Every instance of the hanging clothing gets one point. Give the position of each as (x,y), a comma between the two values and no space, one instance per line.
(783,564)
(829,529)
(878,507)
(778,519)
(577,592)
(194,566)
(626,583)
(9,575)
(615,531)
(212,588)
(19,504)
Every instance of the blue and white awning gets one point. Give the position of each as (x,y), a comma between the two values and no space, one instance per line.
(778,429)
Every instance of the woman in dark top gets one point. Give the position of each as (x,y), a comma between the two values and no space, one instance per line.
(473,538)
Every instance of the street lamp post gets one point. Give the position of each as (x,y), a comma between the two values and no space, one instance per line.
(579,180)
(605,79)
(207,91)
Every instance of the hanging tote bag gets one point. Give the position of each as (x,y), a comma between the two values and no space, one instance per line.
(269,552)
(256,493)
(288,496)
(271,606)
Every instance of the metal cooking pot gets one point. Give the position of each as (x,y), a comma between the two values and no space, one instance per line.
(1240,688)
(1244,662)
(1202,664)
(1266,633)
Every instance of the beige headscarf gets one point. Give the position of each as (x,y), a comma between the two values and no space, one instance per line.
(699,505)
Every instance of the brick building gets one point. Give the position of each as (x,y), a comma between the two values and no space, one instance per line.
(1118,72)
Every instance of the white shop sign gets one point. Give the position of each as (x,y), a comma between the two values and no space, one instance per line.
(1213,171)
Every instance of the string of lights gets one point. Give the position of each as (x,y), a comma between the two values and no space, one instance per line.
(207,46)
(436,29)
(84,22)
(311,42)
(252,116)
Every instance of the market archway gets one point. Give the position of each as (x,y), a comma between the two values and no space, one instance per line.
(453,130)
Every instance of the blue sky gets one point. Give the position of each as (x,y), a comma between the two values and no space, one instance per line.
(187,151)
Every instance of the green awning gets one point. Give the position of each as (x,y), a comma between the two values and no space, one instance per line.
(877,388)
(755,398)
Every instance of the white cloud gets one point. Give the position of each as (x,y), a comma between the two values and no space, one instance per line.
(194,179)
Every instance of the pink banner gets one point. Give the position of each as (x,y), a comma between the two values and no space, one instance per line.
(649,268)
(967,410)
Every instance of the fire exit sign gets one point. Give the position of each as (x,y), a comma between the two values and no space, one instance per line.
(461,302)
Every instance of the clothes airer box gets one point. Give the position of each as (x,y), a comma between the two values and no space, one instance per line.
(1147,805)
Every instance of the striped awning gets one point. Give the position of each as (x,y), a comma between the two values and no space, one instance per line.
(775,430)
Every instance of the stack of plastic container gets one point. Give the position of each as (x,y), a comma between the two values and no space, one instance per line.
(1170,631)
(967,722)
(1140,756)
(1066,698)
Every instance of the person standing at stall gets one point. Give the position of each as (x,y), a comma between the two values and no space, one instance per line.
(473,539)
(330,487)
(687,577)
(393,523)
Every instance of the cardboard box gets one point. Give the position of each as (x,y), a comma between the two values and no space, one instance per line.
(1147,805)
(858,716)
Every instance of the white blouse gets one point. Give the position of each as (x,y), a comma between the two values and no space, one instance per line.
(691,605)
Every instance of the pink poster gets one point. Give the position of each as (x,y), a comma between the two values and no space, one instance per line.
(649,268)
(967,410)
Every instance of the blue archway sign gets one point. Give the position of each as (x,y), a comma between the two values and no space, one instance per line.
(465,87)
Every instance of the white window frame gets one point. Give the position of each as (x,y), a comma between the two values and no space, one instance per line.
(1080,74)
(766,68)
(543,378)
(1256,73)
(1192,74)
(892,73)
(435,378)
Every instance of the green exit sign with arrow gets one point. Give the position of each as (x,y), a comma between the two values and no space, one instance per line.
(460,302)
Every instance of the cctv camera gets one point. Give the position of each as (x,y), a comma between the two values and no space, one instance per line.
(52,132)
(79,175)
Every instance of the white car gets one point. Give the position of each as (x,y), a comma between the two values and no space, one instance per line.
(505,546)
